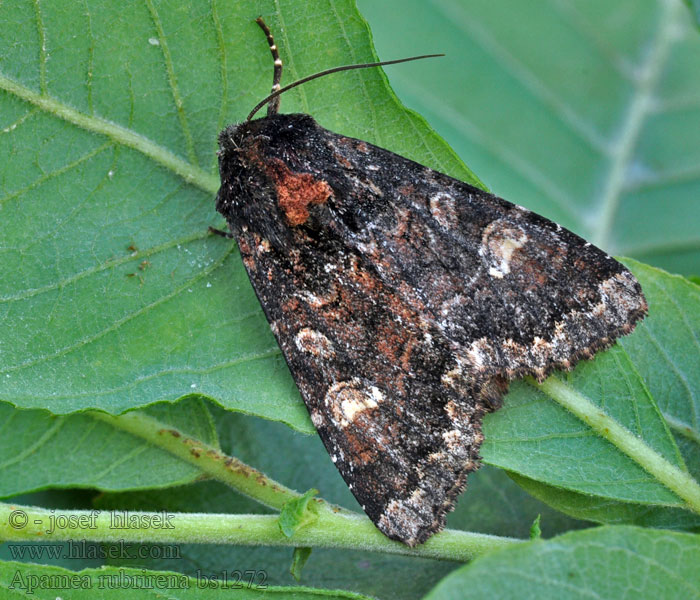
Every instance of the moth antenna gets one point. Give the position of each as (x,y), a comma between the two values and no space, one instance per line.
(273,98)
(274,105)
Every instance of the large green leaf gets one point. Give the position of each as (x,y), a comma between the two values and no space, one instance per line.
(608,562)
(539,440)
(116,156)
(585,111)
(40,450)
(114,164)
(109,117)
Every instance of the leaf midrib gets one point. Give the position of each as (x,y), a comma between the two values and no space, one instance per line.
(192,174)
(633,121)
(619,151)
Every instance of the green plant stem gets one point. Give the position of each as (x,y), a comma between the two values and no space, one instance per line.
(210,460)
(331,530)
(681,428)
(677,480)
(335,527)
(206,181)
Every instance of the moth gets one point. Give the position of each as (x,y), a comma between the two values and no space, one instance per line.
(404,301)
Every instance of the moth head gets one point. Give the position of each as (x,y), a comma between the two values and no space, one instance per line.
(259,189)
(257,182)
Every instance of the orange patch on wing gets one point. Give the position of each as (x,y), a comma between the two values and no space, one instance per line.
(296,191)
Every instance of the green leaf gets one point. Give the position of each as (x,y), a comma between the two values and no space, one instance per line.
(694,6)
(48,583)
(40,450)
(103,356)
(493,504)
(666,351)
(588,115)
(110,119)
(535,531)
(298,512)
(603,510)
(540,440)
(607,562)
(299,558)
(667,363)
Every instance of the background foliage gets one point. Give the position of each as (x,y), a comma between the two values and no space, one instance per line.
(587,112)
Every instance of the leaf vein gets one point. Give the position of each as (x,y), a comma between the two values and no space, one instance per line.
(221,48)
(632,122)
(513,160)
(107,264)
(583,129)
(46,176)
(41,30)
(124,136)
(27,451)
(119,322)
(172,81)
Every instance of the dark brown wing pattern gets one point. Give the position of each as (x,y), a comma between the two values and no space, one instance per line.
(403,301)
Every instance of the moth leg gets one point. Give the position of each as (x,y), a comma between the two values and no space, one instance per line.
(225,234)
